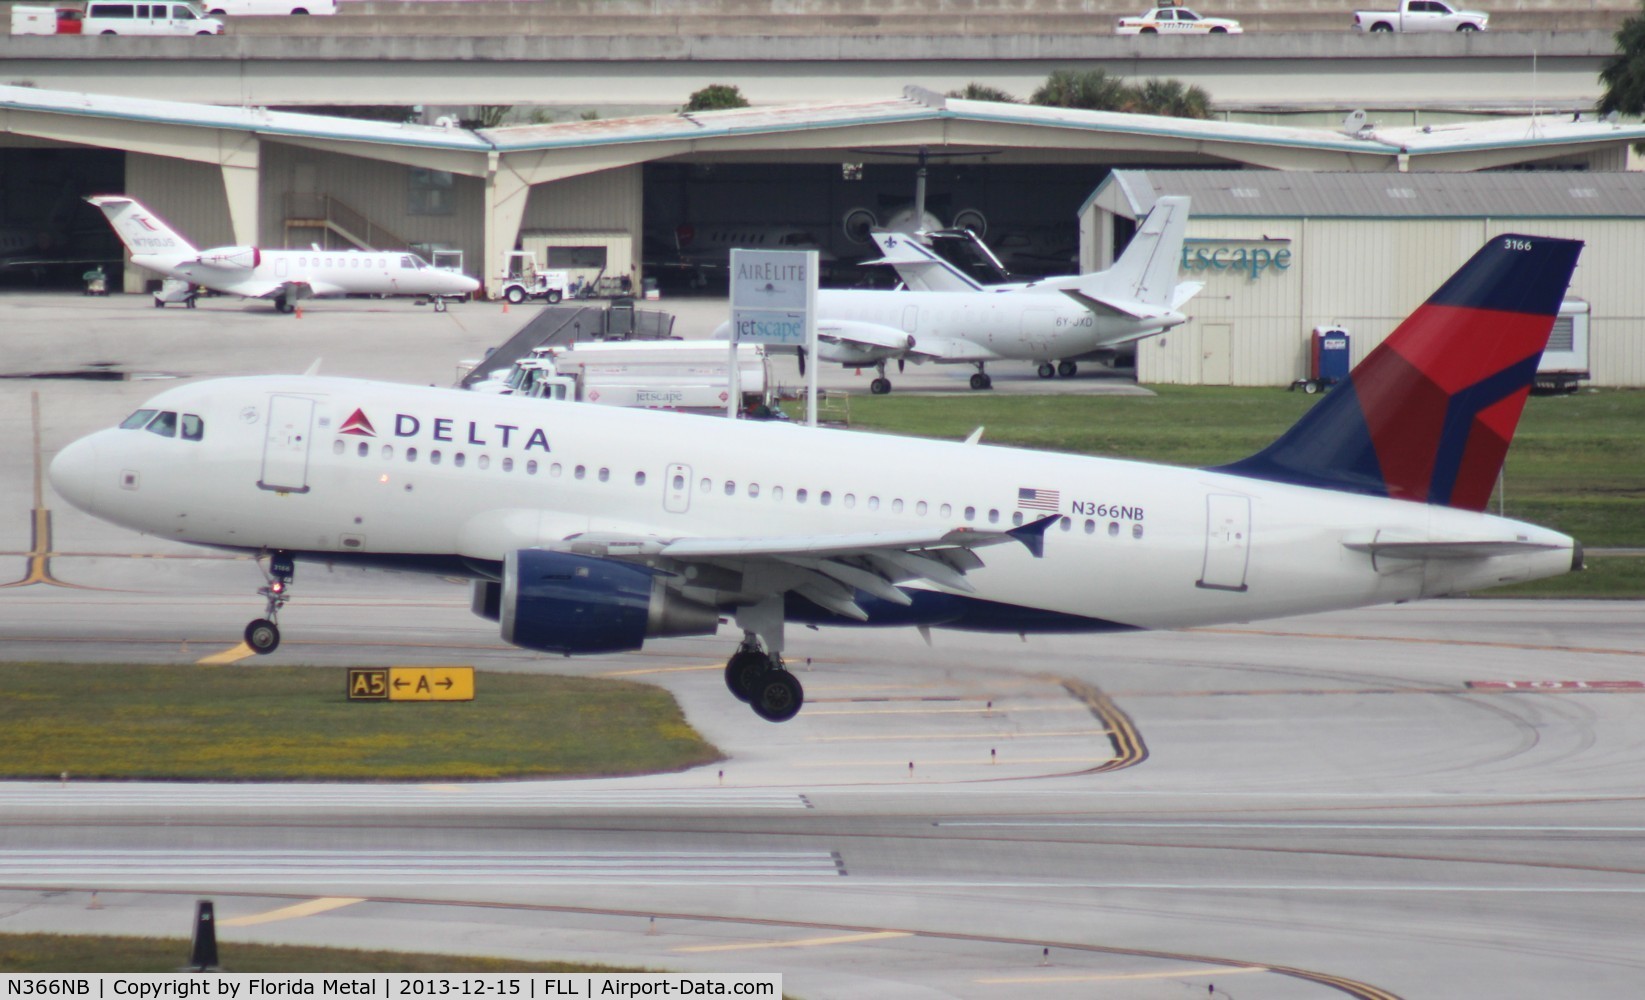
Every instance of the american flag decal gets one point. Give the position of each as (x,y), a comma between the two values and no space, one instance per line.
(1039,499)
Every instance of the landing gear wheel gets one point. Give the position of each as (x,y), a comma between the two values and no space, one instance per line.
(439,305)
(284,306)
(981,381)
(880,386)
(1067,369)
(743,671)
(1045,370)
(778,696)
(263,636)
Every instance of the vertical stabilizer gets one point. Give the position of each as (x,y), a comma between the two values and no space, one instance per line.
(1147,271)
(144,233)
(1429,414)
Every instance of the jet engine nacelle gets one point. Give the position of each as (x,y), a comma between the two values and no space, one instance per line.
(561,602)
(232,258)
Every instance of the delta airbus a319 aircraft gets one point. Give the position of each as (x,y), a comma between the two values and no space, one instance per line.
(589,529)
(283,276)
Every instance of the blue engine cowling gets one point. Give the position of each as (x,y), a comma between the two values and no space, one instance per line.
(561,602)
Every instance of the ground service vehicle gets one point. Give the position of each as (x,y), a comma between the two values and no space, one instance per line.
(173,18)
(688,376)
(522,280)
(1420,15)
(1564,363)
(1170,20)
(247,8)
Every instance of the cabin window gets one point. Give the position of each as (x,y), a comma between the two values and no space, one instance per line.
(730,488)
(679,481)
(531,467)
(434,457)
(337,447)
(777,493)
(799,496)
(605,475)
(164,424)
(1136,531)
(411,454)
(137,420)
(1016,519)
(554,470)
(458,459)
(873,503)
(920,508)
(388,451)
(707,486)
(484,461)
(639,479)
(946,510)
(993,517)
(1113,529)
(970,513)
(753,490)
(850,500)
(581,471)
(363,449)
(1065,523)
(896,506)
(825,498)
(508,464)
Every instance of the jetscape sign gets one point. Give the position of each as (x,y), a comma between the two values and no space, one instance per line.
(1252,258)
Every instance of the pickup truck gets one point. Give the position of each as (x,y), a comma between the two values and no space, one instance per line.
(1420,15)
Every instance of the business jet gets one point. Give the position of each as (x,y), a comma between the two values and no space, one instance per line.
(1050,321)
(590,529)
(283,276)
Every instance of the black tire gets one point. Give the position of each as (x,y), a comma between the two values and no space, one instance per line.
(778,696)
(1147,31)
(299,10)
(1467,27)
(263,636)
(159,303)
(1311,387)
(553,296)
(283,306)
(1219,31)
(111,32)
(1067,369)
(979,381)
(514,294)
(1045,370)
(205,32)
(1382,26)
(880,386)
(743,671)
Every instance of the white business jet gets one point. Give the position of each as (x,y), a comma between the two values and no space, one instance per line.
(589,529)
(283,276)
(1050,321)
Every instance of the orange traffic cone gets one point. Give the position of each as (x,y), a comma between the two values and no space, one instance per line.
(299,311)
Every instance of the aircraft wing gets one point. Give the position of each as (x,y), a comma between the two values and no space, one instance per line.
(828,570)
(857,333)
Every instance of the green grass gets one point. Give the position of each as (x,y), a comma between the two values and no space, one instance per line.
(294,723)
(97,954)
(1577,463)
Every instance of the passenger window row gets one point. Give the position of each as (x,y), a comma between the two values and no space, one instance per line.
(824,498)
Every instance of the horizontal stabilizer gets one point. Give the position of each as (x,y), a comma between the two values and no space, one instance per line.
(1448,550)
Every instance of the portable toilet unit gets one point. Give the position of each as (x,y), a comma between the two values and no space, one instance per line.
(1328,359)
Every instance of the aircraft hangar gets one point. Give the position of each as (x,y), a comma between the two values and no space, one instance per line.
(593,192)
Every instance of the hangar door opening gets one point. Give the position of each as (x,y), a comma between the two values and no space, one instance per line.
(696,213)
(49,236)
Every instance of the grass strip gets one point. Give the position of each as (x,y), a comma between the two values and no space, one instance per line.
(260,723)
(90,954)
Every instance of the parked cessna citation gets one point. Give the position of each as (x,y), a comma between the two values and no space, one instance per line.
(1050,321)
(284,276)
(589,529)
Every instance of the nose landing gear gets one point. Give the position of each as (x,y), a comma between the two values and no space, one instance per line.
(263,634)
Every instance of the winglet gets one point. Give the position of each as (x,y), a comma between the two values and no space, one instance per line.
(1032,534)
(313,369)
(974,437)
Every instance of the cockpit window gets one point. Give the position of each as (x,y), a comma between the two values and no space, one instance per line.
(193,427)
(164,425)
(138,419)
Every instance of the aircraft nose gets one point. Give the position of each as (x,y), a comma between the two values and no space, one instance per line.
(74,473)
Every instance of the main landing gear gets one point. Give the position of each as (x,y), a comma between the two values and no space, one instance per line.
(263,634)
(1064,368)
(759,678)
(981,380)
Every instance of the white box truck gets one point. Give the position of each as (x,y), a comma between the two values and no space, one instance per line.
(690,376)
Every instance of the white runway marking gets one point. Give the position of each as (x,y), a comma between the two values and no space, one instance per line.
(1262,825)
(110,868)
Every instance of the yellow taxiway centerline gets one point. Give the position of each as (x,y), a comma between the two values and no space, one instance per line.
(804,943)
(234,655)
(1097,977)
(308,909)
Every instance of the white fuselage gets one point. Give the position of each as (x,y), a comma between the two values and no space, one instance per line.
(446,473)
(325,272)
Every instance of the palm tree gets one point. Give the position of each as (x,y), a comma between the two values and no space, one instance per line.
(1091,90)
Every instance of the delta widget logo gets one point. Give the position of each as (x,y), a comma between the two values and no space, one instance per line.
(358,423)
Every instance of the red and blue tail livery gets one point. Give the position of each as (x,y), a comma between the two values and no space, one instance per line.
(1428,415)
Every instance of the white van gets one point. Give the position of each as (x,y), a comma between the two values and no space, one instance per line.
(174,17)
(245,8)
